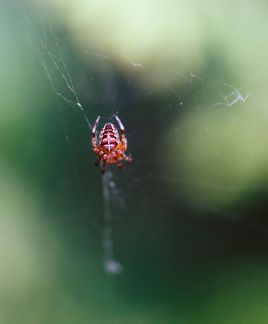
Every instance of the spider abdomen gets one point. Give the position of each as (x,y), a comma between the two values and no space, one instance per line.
(109,138)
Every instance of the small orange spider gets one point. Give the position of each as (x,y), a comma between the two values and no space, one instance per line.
(108,147)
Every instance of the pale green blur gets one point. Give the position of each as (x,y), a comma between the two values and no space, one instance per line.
(225,153)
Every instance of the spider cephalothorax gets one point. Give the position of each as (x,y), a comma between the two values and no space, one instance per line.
(109,147)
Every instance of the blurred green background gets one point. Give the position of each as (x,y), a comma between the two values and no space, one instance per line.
(189,216)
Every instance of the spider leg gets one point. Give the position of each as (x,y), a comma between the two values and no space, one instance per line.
(97,162)
(122,131)
(120,165)
(95,126)
(104,162)
(121,126)
(128,158)
(103,167)
(93,134)
(100,154)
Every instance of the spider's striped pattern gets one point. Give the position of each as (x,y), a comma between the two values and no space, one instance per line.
(109,147)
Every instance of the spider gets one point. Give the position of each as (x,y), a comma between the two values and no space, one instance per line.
(109,147)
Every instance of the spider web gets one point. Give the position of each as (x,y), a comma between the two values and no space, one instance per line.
(133,92)
(187,184)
